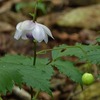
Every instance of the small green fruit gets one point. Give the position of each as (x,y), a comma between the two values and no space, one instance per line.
(87,78)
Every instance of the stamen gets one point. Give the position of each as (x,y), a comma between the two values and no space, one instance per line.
(29,35)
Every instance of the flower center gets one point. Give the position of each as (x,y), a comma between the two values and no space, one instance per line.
(29,35)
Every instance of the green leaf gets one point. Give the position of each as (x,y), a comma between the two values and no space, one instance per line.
(9,72)
(17,59)
(38,76)
(78,50)
(32,14)
(57,51)
(98,39)
(42,7)
(38,79)
(9,75)
(98,76)
(93,57)
(69,69)
(21,5)
(19,69)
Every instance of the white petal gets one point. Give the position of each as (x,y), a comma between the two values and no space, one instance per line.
(46,38)
(17,34)
(46,29)
(38,33)
(24,37)
(27,25)
(18,27)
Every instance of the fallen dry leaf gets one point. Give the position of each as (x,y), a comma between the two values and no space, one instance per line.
(4,27)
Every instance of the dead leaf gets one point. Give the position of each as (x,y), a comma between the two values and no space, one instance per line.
(7,5)
(4,27)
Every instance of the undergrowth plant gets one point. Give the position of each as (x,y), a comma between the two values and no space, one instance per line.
(36,72)
(21,5)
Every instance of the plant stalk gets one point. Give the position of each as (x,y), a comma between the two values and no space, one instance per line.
(35,55)
(34,61)
(35,11)
(36,95)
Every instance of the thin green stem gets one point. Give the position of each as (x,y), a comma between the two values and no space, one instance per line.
(47,50)
(44,51)
(36,95)
(35,43)
(31,92)
(35,11)
(34,61)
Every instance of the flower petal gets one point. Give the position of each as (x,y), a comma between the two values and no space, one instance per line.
(29,29)
(17,34)
(46,38)
(38,33)
(18,27)
(27,25)
(24,37)
(46,29)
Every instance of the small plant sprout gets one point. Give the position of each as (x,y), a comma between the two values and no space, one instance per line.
(32,30)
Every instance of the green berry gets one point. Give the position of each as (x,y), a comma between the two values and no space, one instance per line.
(87,78)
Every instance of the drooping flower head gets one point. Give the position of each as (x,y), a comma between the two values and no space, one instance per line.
(30,30)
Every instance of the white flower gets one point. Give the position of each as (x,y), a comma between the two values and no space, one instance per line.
(29,29)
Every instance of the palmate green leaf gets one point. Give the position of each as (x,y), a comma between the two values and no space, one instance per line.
(38,76)
(67,68)
(78,50)
(19,69)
